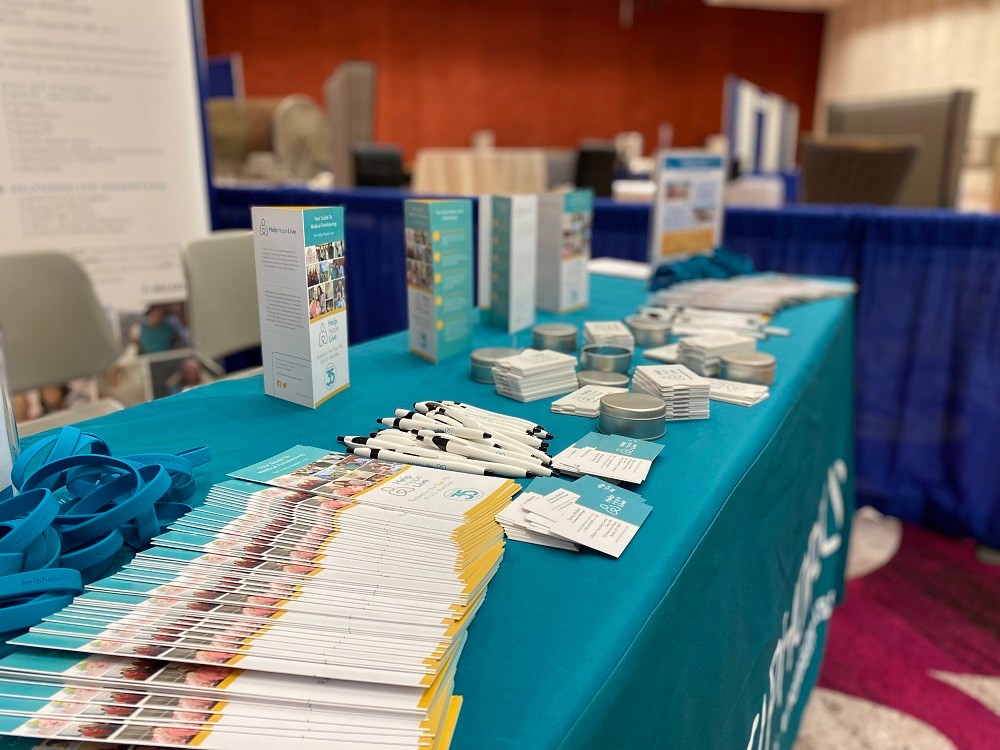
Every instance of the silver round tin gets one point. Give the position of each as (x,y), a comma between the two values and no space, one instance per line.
(482,361)
(559,337)
(606,358)
(749,367)
(599,377)
(649,331)
(635,415)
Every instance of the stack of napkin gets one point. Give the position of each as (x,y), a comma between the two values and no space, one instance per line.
(585,402)
(534,374)
(703,354)
(741,394)
(686,394)
(608,333)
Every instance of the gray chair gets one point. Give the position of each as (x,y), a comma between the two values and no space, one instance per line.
(222,293)
(856,170)
(53,325)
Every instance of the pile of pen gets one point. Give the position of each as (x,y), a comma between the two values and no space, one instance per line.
(458,437)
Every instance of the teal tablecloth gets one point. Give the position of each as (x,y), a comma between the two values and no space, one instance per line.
(705,634)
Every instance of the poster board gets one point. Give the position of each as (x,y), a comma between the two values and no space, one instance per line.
(687,207)
(102,151)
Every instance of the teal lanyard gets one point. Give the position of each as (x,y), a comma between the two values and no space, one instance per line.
(77,507)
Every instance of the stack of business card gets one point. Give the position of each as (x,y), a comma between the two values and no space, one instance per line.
(587,512)
(608,333)
(585,402)
(534,374)
(342,592)
(703,354)
(686,394)
(614,457)
(523,525)
(732,392)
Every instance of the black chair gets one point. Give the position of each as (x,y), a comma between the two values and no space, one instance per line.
(595,168)
(856,169)
(378,165)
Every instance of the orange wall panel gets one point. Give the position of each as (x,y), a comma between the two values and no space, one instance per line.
(542,73)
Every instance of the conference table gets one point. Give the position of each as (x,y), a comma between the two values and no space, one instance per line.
(706,633)
(928,325)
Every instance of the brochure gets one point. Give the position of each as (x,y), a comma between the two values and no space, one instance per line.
(511,271)
(439,277)
(565,222)
(302,297)
(687,207)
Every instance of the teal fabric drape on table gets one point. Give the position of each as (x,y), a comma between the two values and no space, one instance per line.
(674,644)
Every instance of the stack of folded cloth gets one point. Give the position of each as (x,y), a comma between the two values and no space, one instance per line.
(534,374)
(686,394)
(608,333)
(703,354)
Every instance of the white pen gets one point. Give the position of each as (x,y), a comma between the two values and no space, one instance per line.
(485,415)
(474,418)
(514,433)
(430,418)
(501,433)
(490,451)
(465,466)
(412,425)
(452,462)
(486,455)
(367,442)
(489,420)
(431,409)
(518,450)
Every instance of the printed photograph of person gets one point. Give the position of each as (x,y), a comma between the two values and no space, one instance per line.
(339,295)
(677,191)
(315,310)
(576,235)
(312,254)
(312,274)
(160,329)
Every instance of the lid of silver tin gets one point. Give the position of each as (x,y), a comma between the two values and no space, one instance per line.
(490,355)
(754,360)
(633,406)
(647,324)
(600,377)
(556,330)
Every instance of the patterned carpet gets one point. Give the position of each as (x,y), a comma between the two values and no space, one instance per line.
(913,658)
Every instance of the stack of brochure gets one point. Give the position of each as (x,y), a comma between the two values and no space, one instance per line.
(704,353)
(732,392)
(753,293)
(686,394)
(329,608)
(585,402)
(535,374)
(608,333)
(567,515)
